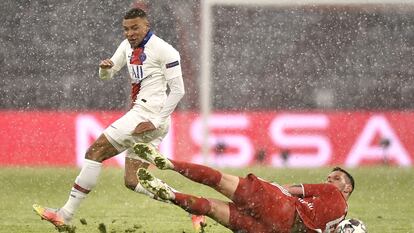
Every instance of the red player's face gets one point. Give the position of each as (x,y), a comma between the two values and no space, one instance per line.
(338,179)
(135,30)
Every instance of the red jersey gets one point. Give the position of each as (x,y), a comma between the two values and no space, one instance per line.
(261,207)
(322,207)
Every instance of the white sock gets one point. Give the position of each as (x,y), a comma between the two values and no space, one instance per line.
(142,190)
(85,182)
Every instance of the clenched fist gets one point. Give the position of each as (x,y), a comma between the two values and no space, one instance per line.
(106,64)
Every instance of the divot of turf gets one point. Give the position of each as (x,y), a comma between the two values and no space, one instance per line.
(102,228)
(67,228)
(203,226)
(83,221)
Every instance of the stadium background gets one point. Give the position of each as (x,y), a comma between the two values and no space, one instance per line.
(292,86)
(335,61)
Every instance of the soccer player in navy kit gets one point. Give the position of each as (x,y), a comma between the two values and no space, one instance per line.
(152,64)
(256,206)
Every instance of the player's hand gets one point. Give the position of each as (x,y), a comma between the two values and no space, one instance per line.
(106,64)
(143,127)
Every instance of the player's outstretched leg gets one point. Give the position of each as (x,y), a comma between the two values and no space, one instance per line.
(150,153)
(53,216)
(155,185)
(192,204)
(164,192)
(195,172)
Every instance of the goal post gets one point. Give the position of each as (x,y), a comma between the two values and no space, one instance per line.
(207,28)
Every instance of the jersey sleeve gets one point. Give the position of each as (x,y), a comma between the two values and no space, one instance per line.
(119,57)
(322,207)
(311,190)
(176,93)
(119,60)
(171,68)
(170,63)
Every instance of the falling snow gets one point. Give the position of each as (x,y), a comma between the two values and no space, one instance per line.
(263,58)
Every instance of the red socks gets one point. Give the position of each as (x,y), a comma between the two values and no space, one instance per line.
(198,173)
(192,204)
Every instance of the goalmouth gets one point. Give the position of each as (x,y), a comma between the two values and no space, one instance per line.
(207,24)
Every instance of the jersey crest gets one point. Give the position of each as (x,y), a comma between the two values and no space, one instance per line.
(142,56)
(137,58)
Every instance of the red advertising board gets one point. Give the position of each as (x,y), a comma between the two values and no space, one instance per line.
(237,139)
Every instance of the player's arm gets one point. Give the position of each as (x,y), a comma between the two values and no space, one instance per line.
(177,92)
(317,190)
(108,67)
(171,66)
(295,189)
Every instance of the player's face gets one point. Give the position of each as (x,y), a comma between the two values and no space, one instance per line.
(338,179)
(135,30)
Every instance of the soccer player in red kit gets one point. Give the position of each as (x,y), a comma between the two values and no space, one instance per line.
(256,205)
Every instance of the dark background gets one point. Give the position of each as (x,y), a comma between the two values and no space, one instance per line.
(326,57)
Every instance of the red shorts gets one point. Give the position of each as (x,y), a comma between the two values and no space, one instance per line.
(259,206)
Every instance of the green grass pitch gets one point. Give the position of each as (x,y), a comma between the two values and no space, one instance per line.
(383,199)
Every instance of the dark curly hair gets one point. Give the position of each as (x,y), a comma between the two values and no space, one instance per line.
(135,13)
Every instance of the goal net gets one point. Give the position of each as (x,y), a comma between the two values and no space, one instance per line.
(301,55)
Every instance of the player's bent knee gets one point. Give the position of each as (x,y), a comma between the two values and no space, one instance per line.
(101,150)
(130,184)
(95,156)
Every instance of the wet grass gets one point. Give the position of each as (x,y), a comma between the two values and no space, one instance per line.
(382,199)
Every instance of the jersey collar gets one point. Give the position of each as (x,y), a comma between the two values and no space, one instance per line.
(146,39)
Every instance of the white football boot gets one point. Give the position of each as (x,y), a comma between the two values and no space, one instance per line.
(155,185)
(151,154)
